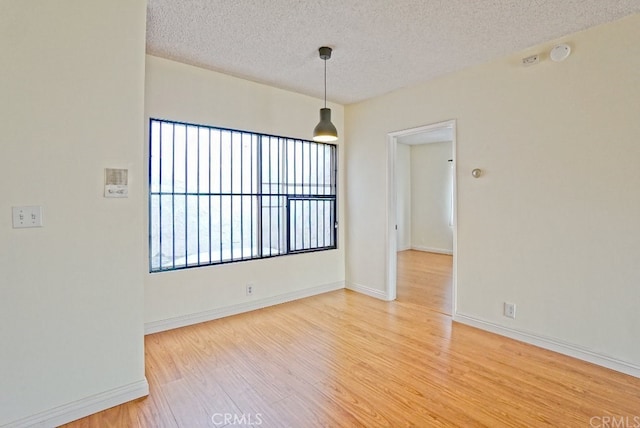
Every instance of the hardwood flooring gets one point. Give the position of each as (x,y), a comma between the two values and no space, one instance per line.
(343,359)
(425,279)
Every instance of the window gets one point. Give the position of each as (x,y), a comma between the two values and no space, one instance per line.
(221,195)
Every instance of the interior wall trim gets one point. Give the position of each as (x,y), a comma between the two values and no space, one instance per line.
(432,250)
(213,314)
(84,407)
(552,345)
(371,292)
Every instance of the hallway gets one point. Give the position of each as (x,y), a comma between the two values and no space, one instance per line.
(425,279)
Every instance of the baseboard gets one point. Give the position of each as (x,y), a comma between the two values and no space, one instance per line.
(372,292)
(87,406)
(552,345)
(432,250)
(185,320)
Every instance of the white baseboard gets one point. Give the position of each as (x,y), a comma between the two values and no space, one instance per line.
(213,314)
(87,406)
(432,250)
(552,345)
(372,292)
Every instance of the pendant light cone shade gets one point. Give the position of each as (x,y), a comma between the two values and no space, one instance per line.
(325,131)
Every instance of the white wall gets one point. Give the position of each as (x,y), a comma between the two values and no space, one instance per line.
(180,92)
(403,196)
(553,224)
(431,197)
(71,292)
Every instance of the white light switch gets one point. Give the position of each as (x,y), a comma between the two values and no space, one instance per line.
(27,217)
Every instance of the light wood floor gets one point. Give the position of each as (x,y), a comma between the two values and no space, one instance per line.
(425,279)
(342,359)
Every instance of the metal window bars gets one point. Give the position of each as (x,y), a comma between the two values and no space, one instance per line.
(220,195)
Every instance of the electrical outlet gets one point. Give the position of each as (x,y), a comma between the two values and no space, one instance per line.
(510,310)
(249,289)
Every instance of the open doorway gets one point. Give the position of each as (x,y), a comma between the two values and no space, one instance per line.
(421,216)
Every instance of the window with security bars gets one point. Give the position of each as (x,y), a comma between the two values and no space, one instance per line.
(222,195)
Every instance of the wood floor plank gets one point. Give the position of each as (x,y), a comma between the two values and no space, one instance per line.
(343,359)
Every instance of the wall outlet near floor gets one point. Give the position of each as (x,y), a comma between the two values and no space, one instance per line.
(250,289)
(509,310)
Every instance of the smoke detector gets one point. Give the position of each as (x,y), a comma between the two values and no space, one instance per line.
(560,52)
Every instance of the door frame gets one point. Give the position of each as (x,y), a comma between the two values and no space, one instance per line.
(391,241)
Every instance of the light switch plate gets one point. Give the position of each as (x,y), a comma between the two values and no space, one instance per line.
(30,216)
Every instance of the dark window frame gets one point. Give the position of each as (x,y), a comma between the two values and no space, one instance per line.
(287,188)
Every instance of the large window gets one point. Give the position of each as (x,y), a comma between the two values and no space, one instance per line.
(221,195)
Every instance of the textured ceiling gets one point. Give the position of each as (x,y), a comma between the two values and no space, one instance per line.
(379,45)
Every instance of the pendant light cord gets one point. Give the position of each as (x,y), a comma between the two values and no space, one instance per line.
(325,83)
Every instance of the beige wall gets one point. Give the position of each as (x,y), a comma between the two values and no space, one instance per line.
(553,224)
(71,292)
(180,92)
(403,196)
(431,197)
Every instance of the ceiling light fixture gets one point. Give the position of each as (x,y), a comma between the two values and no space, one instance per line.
(324,130)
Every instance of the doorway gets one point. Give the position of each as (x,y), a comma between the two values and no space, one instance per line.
(416,150)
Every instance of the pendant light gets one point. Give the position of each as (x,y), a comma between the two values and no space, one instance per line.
(325,131)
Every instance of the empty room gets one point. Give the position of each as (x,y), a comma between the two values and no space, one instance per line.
(319,213)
